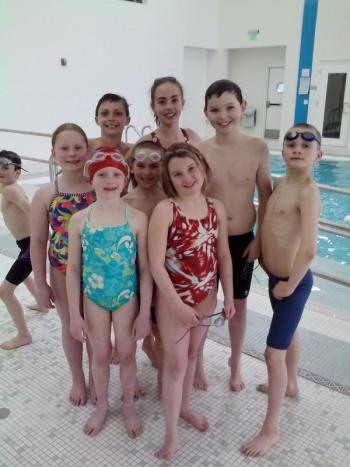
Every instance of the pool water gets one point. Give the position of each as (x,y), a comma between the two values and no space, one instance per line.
(335,206)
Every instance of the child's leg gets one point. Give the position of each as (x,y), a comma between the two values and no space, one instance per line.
(174,369)
(123,320)
(148,348)
(15,310)
(99,328)
(277,381)
(237,326)
(72,348)
(29,283)
(200,381)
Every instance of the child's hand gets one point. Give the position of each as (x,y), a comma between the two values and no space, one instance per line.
(281,290)
(78,329)
(252,252)
(141,327)
(188,316)
(229,309)
(45,296)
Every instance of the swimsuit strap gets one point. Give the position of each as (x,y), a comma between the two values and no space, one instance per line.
(184,132)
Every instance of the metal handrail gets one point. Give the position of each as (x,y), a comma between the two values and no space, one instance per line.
(144,128)
(23,132)
(130,127)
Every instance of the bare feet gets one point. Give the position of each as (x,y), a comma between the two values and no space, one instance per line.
(132,421)
(236,381)
(291,391)
(260,444)
(195,419)
(200,381)
(77,395)
(36,307)
(168,449)
(114,356)
(147,347)
(16,342)
(96,420)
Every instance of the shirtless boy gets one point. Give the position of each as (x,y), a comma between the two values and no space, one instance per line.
(238,163)
(15,211)
(288,240)
(112,116)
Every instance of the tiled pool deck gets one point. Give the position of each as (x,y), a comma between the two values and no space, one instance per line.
(43,429)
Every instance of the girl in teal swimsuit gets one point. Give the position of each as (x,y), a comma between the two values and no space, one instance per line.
(107,248)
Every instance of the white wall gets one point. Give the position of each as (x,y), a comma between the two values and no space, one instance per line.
(248,68)
(110,46)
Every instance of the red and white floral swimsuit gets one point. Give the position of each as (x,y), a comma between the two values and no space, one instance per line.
(191,255)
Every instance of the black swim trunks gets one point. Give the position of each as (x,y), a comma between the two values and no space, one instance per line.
(242,270)
(22,267)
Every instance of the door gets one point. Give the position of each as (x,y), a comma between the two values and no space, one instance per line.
(274,98)
(335,103)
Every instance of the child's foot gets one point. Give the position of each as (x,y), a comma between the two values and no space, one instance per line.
(291,391)
(200,381)
(114,356)
(15,342)
(260,444)
(96,420)
(132,421)
(195,419)
(149,351)
(36,307)
(168,449)
(77,395)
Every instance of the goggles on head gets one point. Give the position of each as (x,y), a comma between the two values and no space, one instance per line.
(140,156)
(102,159)
(5,162)
(307,136)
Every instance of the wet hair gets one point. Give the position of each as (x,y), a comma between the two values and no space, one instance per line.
(182,150)
(109,97)
(13,157)
(68,127)
(306,126)
(129,158)
(219,87)
(158,82)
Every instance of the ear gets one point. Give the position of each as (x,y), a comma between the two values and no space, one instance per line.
(205,112)
(52,153)
(96,120)
(244,105)
(128,120)
(319,154)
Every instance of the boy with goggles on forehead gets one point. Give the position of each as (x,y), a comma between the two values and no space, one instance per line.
(288,242)
(15,211)
(145,164)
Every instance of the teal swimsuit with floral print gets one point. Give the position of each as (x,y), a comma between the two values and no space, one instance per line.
(109,263)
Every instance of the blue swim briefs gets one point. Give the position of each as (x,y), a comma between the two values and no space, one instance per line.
(287,312)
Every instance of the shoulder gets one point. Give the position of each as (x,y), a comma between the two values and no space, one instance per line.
(257,144)
(44,193)
(310,192)
(10,191)
(219,206)
(192,136)
(78,219)
(205,145)
(163,208)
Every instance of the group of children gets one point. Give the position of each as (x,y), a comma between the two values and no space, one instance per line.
(139,238)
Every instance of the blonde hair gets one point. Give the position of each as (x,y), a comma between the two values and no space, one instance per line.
(68,127)
(182,150)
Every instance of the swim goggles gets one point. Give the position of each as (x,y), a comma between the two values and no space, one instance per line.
(307,136)
(107,158)
(5,162)
(142,156)
(216,319)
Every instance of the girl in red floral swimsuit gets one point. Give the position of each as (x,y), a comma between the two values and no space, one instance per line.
(188,248)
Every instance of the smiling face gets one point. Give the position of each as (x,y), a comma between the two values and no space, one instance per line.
(70,150)
(112,118)
(9,173)
(300,154)
(224,112)
(146,167)
(186,176)
(167,103)
(108,182)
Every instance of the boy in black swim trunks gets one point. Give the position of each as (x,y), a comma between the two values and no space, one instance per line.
(239,163)
(15,211)
(288,241)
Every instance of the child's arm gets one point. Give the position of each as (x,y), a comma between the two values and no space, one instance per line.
(157,241)
(73,278)
(310,207)
(142,325)
(224,260)
(264,187)
(39,232)
(16,196)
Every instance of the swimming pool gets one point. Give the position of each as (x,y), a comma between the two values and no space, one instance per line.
(335,206)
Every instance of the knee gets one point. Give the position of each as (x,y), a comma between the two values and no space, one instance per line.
(101,355)
(5,292)
(126,357)
(273,357)
(241,309)
(173,366)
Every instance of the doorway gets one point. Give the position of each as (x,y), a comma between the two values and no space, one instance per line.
(274,100)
